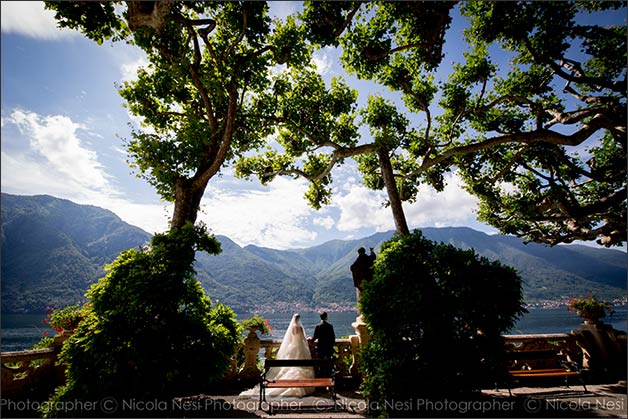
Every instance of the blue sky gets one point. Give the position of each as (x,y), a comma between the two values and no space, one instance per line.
(62,129)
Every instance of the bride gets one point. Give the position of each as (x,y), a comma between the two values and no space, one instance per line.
(293,346)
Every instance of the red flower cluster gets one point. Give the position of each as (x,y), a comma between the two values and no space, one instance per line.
(590,308)
(66,318)
(270,328)
(46,320)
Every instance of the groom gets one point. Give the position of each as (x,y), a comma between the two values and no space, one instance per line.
(325,338)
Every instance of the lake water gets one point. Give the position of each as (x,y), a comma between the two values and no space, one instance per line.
(22,331)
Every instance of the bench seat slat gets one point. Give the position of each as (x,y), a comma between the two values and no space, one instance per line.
(540,371)
(531,355)
(328,382)
(314,382)
(546,374)
(548,355)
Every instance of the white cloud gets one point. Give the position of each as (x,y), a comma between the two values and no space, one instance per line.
(323,60)
(152,218)
(128,70)
(454,206)
(361,207)
(56,162)
(283,9)
(275,217)
(54,138)
(23,175)
(31,19)
(325,222)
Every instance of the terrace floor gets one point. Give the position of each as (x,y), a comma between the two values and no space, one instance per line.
(600,401)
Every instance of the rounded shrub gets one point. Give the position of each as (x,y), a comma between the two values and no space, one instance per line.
(436,315)
(149,331)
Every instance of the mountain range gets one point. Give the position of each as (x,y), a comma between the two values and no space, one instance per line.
(53,249)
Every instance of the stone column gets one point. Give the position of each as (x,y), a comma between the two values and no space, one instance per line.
(251,349)
(361,330)
(604,350)
(355,354)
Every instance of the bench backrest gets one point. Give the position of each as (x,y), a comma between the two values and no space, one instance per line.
(533,355)
(270,363)
(547,358)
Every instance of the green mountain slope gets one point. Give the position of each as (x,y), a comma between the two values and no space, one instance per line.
(53,249)
(549,273)
(250,280)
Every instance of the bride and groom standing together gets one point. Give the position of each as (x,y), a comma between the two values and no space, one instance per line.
(295,345)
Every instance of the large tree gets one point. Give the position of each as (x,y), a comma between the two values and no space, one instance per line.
(554,166)
(150,332)
(206,60)
(533,116)
(319,130)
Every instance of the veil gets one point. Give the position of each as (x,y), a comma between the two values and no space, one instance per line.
(293,346)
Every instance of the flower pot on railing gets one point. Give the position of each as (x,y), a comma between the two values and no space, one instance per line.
(62,336)
(590,309)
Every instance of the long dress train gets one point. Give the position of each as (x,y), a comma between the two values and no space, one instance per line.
(293,346)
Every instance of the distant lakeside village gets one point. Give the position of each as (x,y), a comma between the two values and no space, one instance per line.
(285,307)
(618,302)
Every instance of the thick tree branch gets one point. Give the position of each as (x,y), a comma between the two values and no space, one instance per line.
(148,14)
(569,118)
(197,22)
(193,68)
(348,20)
(201,179)
(599,121)
(577,75)
(337,155)
(385,165)
(229,50)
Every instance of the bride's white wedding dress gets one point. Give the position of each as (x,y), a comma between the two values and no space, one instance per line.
(293,346)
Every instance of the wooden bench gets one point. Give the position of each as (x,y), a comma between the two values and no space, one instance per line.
(318,364)
(554,366)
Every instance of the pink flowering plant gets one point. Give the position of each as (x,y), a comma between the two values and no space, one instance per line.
(590,308)
(67,318)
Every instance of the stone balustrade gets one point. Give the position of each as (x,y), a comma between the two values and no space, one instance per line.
(23,372)
(246,364)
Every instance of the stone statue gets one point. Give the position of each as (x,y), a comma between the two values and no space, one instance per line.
(362,269)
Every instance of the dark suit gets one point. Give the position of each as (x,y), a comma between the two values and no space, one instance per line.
(325,339)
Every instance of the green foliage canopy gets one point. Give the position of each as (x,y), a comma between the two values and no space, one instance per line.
(555,120)
(206,60)
(146,334)
(533,117)
(436,315)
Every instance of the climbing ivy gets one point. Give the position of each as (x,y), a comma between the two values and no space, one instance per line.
(147,334)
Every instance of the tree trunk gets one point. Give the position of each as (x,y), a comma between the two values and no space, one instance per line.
(187,202)
(393,193)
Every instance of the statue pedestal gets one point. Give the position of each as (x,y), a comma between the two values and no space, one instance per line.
(358,341)
(604,350)
(250,371)
(361,330)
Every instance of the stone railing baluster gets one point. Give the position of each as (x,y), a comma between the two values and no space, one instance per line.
(37,367)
